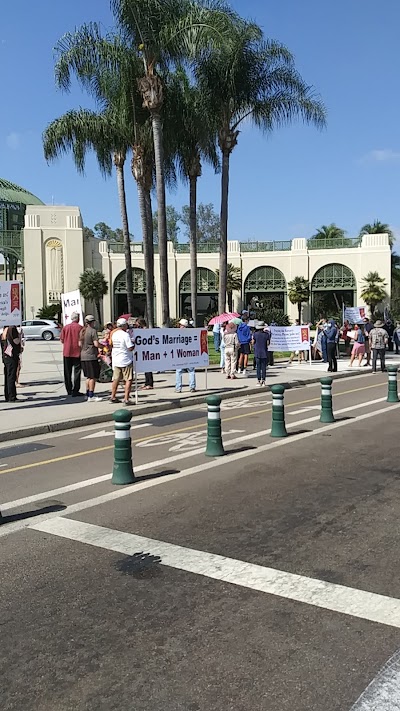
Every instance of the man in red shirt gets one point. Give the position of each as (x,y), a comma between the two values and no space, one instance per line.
(72,355)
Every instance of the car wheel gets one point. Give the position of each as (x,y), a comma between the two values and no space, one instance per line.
(47,336)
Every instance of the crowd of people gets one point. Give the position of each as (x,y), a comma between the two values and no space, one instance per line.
(110,357)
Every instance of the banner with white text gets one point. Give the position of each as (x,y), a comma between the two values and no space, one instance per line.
(71,302)
(354,314)
(170,349)
(10,303)
(289,338)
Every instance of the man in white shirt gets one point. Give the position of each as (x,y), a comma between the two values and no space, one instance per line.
(122,360)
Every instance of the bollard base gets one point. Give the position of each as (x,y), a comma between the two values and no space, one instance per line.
(327,418)
(122,475)
(213,450)
(278,430)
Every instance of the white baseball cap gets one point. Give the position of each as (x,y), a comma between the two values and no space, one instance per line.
(122,322)
(183,322)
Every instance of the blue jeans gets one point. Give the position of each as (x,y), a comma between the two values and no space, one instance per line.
(192,378)
(261,364)
(217,341)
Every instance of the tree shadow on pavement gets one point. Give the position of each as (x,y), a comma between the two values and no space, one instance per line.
(139,565)
(31,514)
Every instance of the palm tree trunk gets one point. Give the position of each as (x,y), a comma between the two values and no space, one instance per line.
(299,308)
(148,250)
(162,216)
(223,249)
(193,244)
(119,166)
(97,304)
(230,301)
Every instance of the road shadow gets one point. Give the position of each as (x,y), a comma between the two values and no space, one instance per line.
(139,565)
(156,475)
(31,514)
(247,448)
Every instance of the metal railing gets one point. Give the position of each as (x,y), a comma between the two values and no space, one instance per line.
(136,247)
(280,246)
(334,243)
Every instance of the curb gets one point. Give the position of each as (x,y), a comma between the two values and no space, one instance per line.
(141,410)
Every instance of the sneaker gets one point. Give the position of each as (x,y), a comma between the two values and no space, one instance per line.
(178,391)
(127,402)
(233,377)
(228,377)
(244,373)
(263,382)
(114,400)
(95,398)
(259,383)
(192,390)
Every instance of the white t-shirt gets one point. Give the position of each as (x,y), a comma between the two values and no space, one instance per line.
(120,354)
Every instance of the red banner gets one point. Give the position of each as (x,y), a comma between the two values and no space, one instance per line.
(305,336)
(204,342)
(15,297)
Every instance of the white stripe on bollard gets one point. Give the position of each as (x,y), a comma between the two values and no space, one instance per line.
(122,434)
(214,415)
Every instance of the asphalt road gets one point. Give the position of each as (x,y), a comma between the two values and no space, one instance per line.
(267,579)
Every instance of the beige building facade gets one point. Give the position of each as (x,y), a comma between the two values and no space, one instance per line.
(56,253)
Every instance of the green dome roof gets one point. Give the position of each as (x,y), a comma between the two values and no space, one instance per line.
(9,192)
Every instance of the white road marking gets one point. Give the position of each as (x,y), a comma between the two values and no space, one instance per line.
(110,433)
(6,529)
(383,693)
(319,593)
(182,440)
(242,404)
(304,409)
(163,462)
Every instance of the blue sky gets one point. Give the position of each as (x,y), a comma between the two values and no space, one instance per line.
(282,186)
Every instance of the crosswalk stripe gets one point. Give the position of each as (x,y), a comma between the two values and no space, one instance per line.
(319,593)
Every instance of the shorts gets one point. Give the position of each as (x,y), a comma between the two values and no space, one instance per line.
(126,372)
(91,369)
(244,349)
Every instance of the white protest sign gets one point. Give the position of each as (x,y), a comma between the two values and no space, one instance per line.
(10,303)
(170,348)
(354,314)
(289,338)
(71,302)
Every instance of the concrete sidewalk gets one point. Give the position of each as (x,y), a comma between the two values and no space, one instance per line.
(44,407)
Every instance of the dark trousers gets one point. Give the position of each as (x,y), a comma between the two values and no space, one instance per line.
(261,364)
(331,351)
(148,379)
(381,353)
(69,365)
(10,377)
(324,348)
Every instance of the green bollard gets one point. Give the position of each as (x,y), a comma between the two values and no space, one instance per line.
(326,401)
(278,428)
(123,469)
(392,384)
(214,447)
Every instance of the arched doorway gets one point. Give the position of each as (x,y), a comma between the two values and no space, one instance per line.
(139,293)
(332,286)
(207,295)
(265,287)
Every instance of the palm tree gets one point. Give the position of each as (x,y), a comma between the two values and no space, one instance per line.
(81,130)
(377,228)
(233,283)
(191,139)
(329,232)
(247,79)
(299,292)
(166,33)
(374,290)
(93,286)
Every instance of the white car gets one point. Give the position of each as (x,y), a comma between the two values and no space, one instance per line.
(41,328)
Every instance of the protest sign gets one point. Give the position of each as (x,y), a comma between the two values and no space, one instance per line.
(71,302)
(10,303)
(354,314)
(159,349)
(290,338)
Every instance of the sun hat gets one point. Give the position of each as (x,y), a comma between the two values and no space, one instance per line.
(89,318)
(122,322)
(260,324)
(184,322)
(378,324)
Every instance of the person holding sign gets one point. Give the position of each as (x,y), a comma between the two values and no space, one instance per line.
(122,360)
(184,323)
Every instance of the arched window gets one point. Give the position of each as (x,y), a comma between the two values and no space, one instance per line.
(206,281)
(265,279)
(333,276)
(138,282)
